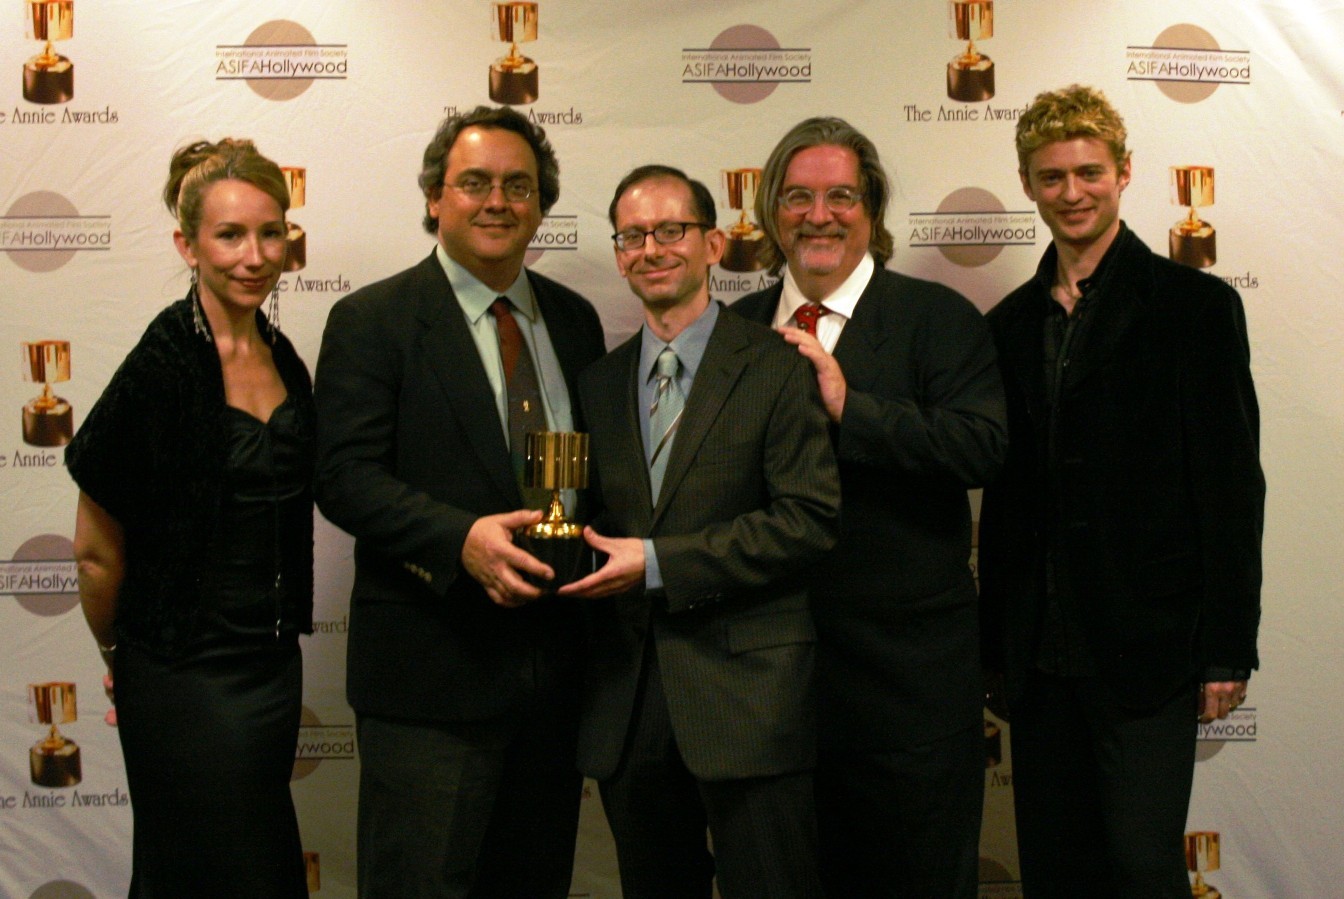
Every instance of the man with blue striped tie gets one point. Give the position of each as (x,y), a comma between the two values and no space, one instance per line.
(718,489)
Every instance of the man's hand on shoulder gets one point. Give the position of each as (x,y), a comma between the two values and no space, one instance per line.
(830,378)
(491,558)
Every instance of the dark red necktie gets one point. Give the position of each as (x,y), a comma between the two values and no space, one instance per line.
(522,390)
(807,314)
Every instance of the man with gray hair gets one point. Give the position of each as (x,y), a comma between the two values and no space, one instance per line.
(907,373)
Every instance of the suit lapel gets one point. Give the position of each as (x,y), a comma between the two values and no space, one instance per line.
(567,339)
(859,349)
(720,369)
(451,354)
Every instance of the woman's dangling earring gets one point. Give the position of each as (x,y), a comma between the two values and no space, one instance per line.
(273,310)
(197,312)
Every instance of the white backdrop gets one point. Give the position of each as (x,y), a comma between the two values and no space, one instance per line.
(1253,89)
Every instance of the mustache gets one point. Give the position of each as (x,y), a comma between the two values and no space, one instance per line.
(833,230)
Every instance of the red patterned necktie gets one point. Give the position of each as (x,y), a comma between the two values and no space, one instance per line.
(522,390)
(807,314)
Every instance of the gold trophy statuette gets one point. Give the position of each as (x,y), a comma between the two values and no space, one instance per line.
(296,255)
(49,77)
(48,420)
(970,75)
(1201,854)
(741,252)
(54,760)
(1191,240)
(556,460)
(513,78)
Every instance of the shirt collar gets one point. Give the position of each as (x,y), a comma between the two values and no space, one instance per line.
(841,301)
(689,345)
(475,297)
(1048,268)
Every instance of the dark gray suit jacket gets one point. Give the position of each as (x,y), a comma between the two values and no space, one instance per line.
(895,602)
(750,499)
(410,453)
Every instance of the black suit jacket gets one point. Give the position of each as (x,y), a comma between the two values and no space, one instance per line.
(749,499)
(1158,493)
(411,452)
(895,601)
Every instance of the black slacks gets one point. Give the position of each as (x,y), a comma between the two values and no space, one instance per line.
(486,810)
(1101,791)
(903,824)
(763,828)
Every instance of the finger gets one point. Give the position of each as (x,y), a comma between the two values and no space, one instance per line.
(519,518)
(512,558)
(597,541)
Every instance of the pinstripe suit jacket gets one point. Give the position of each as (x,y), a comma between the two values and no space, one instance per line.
(750,498)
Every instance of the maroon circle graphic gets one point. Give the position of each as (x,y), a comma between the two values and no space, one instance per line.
(62,889)
(1186,37)
(48,548)
(284,33)
(41,204)
(749,38)
(971,200)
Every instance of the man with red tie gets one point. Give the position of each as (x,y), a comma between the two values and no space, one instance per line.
(464,678)
(907,373)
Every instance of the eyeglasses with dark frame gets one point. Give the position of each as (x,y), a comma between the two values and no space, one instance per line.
(665,233)
(837,199)
(517,190)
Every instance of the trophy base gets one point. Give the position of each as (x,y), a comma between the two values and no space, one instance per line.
(742,253)
(515,86)
(1198,249)
(569,558)
(45,82)
(48,427)
(296,257)
(993,744)
(59,767)
(970,85)
(1202,890)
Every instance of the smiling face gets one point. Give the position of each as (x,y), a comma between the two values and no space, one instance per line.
(666,276)
(1076,186)
(239,250)
(489,236)
(823,247)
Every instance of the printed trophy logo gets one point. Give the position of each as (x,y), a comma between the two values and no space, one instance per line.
(312,869)
(513,78)
(970,74)
(555,461)
(742,252)
(49,77)
(296,255)
(53,761)
(993,744)
(1201,854)
(48,419)
(1192,240)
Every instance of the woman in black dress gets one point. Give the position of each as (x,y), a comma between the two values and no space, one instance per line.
(194,544)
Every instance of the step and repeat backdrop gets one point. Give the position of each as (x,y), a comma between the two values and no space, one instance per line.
(1236,118)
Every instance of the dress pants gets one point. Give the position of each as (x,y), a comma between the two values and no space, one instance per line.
(903,824)
(486,810)
(763,828)
(1101,791)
